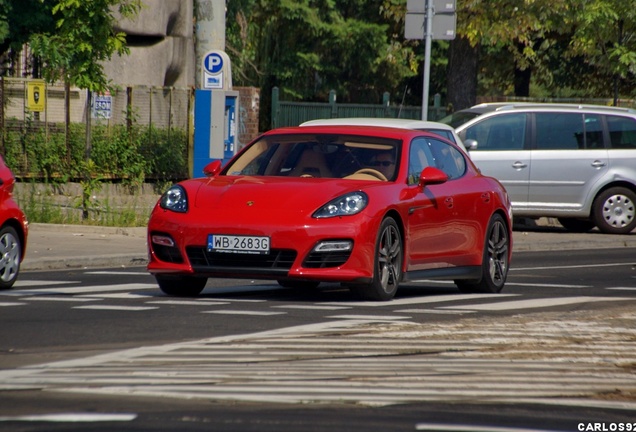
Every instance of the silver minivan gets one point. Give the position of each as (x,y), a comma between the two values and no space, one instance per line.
(576,163)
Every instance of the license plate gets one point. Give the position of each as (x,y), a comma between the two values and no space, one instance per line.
(238,244)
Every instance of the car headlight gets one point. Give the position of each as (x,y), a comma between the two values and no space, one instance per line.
(175,199)
(346,205)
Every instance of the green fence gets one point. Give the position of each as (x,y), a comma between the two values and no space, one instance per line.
(287,113)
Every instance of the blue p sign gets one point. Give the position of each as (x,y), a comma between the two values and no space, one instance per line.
(213,63)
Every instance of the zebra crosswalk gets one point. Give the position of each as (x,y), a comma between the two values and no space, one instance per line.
(585,358)
(147,297)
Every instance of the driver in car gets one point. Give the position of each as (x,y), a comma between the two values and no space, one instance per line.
(385,163)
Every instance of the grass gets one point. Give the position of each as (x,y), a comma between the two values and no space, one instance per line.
(43,205)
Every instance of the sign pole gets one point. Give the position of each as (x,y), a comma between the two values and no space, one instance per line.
(428,28)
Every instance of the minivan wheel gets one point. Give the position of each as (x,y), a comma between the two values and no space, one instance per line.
(615,210)
(577,225)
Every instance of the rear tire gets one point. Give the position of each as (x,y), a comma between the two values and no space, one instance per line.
(181,286)
(615,211)
(494,267)
(387,264)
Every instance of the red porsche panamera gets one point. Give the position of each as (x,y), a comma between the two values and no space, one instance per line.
(367,207)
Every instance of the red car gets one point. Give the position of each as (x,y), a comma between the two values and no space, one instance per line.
(13,230)
(367,207)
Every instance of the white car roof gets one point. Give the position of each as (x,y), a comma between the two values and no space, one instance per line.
(373,121)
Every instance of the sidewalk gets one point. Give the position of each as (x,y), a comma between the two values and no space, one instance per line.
(52,246)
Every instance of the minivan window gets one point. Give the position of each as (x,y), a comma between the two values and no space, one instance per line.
(502,132)
(622,132)
(593,131)
(559,131)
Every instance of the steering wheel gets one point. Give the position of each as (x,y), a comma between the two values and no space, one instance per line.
(373,172)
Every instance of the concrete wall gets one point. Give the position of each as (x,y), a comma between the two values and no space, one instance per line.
(161,46)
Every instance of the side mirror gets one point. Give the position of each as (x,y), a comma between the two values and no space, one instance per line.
(212,169)
(471,144)
(432,176)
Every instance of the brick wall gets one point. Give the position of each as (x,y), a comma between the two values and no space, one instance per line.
(249,106)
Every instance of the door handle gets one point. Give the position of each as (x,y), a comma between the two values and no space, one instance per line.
(519,165)
(598,164)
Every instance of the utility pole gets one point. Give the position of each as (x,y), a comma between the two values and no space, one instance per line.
(428,20)
(209,31)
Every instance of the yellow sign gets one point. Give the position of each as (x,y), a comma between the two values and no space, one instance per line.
(36,95)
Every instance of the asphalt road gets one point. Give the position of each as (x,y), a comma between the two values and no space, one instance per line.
(102,349)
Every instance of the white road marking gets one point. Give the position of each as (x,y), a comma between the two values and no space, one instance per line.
(60,299)
(537,285)
(535,303)
(3,304)
(312,307)
(120,295)
(117,273)
(622,288)
(420,300)
(435,311)
(370,317)
(187,302)
(471,428)
(119,308)
(82,290)
(570,266)
(70,418)
(240,312)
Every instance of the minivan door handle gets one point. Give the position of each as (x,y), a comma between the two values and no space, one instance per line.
(598,164)
(519,165)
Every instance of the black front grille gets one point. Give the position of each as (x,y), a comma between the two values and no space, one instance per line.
(326,259)
(276,259)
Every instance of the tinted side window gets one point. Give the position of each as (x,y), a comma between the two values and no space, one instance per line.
(593,131)
(622,131)
(420,157)
(560,131)
(447,158)
(500,132)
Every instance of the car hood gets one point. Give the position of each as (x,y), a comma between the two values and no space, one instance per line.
(273,193)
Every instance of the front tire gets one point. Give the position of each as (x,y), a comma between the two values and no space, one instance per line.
(181,286)
(387,264)
(615,211)
(495,263)
(10,257)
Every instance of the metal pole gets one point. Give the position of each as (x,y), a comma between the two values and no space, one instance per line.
(428,37)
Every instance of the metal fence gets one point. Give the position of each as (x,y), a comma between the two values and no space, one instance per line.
(30,109)
(289,113)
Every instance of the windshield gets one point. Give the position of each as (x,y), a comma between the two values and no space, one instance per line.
(319,155)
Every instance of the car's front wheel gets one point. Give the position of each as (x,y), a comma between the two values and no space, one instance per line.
(615,211)
(495,260)
(387,264)
(10,256)
(181,286)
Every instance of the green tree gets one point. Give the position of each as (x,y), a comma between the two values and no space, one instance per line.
(310,47)
(82,37)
